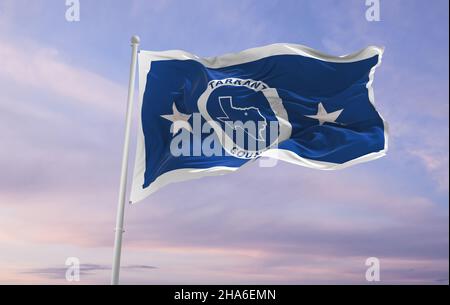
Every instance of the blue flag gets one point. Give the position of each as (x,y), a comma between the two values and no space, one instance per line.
(209,116)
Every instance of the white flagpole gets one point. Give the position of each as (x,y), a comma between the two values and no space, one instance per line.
(124,172)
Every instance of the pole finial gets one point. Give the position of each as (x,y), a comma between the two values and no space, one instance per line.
(135,39)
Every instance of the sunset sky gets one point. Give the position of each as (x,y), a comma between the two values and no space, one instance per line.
(63,88)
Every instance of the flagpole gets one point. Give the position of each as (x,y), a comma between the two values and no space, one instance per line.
(124,171)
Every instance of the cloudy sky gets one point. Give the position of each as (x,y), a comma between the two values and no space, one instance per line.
(62,103)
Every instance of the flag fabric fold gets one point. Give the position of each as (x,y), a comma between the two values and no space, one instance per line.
(209,116)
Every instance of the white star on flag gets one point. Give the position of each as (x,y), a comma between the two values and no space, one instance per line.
(179,120)
(325,117)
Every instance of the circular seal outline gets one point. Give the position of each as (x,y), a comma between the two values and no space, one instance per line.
(275,102)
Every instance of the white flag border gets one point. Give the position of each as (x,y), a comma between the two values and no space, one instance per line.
(147,57)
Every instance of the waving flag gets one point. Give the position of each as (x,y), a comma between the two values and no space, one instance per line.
(210,116)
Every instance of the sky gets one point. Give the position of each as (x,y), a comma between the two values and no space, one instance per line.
(63,88)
